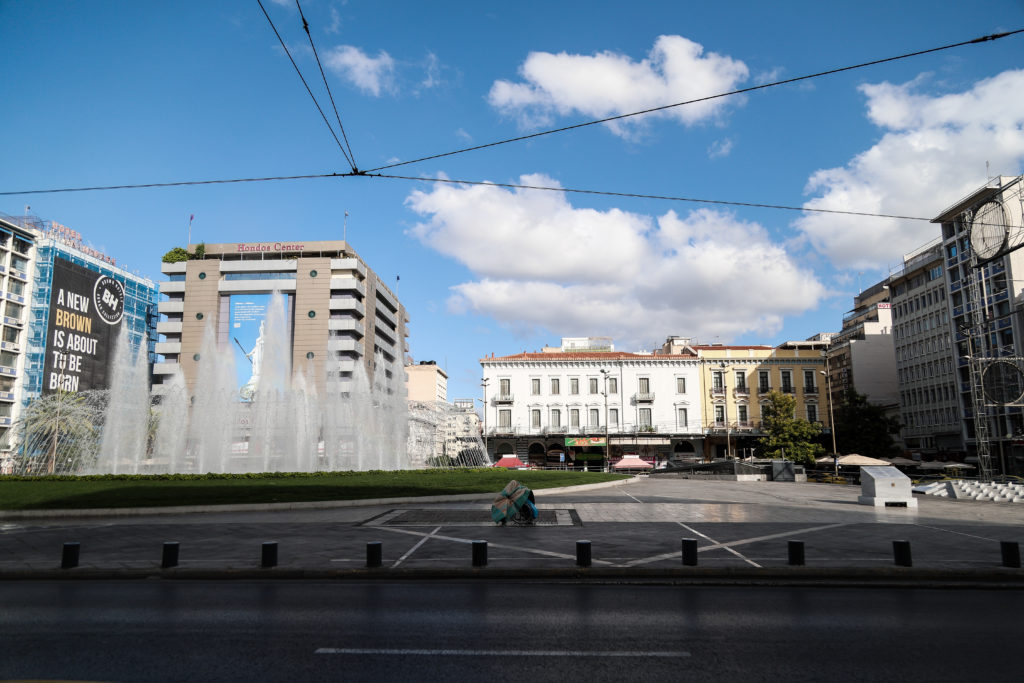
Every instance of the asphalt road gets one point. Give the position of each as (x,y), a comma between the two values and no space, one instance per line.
(170,630)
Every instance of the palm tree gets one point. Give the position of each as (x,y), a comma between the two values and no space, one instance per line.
(60,427)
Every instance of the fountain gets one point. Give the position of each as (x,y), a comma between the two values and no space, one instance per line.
(288,425)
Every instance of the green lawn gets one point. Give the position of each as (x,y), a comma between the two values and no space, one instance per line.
(120,491)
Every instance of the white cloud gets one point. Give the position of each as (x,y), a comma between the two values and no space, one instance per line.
(540,263)
(432,66)
(720,148)
(933,153)
(370,74)
(335,26)
(607,84)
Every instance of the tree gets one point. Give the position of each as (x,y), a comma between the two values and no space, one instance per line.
(864,428)
(788,437)
(58,433)
(200,251)
(175,255)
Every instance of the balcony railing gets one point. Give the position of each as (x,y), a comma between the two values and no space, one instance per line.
(558,429)
(810,389)
(641,397)
(788,390)
(504,398)
(742,391)
(764,389)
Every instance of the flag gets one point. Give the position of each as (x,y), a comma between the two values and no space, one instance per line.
(191,217)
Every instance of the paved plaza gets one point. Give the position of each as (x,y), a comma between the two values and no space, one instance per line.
(634,527)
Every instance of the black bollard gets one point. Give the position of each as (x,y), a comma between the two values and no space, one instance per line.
(170,555)
(690,552)
(374,554)
(268,557)
(1011,553)
(479,553)
(69,556)
(796,553)
(582,553)
(901,553)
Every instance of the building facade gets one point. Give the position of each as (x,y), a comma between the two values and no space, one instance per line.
(426,382)
(341,313)
(58,334)
(926,365)
(860,355)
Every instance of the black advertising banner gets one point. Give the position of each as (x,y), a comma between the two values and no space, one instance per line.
(86,309)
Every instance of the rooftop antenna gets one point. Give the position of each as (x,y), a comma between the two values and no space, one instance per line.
(987,175)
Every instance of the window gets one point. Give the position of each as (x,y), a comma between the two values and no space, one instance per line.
(680,385)
(645,417)
(574,385)
(14,310)
(719,415)
(613,385)
(11,335)
(613,417)
(741,380)
(18,263)
(506,387)
(787,381)
(556,417)
(809,381)
(18,287)
(717,380)
(574,417)
(681,418)
(535,419)
(741,414)
(505,418)
(595,417)
(535,387)
(555,386)
(763,385)
(644,385)
(593,386)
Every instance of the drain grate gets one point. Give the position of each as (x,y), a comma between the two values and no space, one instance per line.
(415,517)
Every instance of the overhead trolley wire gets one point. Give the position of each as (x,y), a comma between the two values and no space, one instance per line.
(982,39)
(313,97)
(180,183)
(305,26)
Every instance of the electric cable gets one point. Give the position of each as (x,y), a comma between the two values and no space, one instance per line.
(982,39)
(313,97)
(305,26)
(178,184)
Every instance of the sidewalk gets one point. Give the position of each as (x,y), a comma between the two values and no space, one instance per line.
(742,531)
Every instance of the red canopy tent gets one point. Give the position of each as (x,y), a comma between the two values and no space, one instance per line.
(509,461)
(632,462)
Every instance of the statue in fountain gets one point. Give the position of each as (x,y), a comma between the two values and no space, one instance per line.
(255,357)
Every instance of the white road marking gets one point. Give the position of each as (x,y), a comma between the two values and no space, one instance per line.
(504,546)
(413,549)
(734,552)
(494,653)
(634,498)
(950,531)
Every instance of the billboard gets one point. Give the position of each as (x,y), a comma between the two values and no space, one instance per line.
(247,335)
(86,310)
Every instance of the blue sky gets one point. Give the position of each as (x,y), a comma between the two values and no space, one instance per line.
(110,93)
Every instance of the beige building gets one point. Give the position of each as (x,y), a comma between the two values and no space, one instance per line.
(341,312)
(426,381)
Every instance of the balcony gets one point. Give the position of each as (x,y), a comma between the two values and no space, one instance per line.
(166,327)
(764,389)
(788,390)
(557,429)
(504,398)
(349,283)
(169,287)
(810,389)
(641,397)
(741,391)
(171,307)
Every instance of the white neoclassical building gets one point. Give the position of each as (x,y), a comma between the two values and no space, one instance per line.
(570,406)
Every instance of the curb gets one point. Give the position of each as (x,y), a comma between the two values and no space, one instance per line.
(889,577)
(307,505)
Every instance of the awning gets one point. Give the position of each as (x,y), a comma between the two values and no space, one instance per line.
(632,462)
(640,440)
(509,461)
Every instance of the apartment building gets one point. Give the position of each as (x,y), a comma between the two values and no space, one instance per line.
(426,382)
(341,313)
(860,355)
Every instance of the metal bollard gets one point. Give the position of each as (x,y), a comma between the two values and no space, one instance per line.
(582,553)
(170,555)
(479,553)
(796,553)
(268,557)
(69,556)
(1011,553)
(901,554)
(690,552)
(374,554)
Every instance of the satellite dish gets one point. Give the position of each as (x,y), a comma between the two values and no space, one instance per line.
(1004,383)
(988,231)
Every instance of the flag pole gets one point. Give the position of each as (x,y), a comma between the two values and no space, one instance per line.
(190,217)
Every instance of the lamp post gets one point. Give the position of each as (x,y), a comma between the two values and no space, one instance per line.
(831,418)
(484,385)
(607,444)
(725,406)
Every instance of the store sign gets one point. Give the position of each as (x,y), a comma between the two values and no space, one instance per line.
(585,441)
(86,310)
(270,247)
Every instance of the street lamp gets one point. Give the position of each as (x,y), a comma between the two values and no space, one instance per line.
(725,407)
(484,385)
(831,418)
(607,444)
